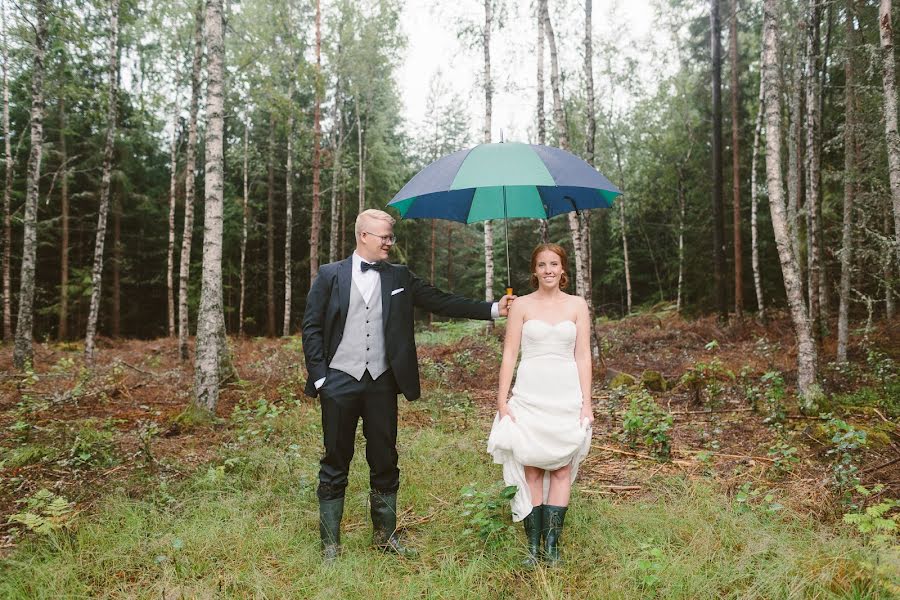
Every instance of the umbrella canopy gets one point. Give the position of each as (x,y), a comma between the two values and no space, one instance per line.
(505,180)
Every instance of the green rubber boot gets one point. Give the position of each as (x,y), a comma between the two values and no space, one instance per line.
(384,525)
(330,514)
(552,527)
(533,525)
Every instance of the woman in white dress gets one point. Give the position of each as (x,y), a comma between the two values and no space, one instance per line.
(542,431)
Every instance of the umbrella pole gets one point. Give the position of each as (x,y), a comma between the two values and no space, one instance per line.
(509,289)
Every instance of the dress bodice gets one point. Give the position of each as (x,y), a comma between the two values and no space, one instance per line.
(551,340)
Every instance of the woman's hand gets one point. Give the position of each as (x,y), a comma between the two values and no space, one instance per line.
(587,412)
(504,411)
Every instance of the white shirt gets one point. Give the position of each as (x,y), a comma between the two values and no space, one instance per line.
(365,283)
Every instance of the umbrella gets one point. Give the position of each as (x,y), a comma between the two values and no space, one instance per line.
(504,181)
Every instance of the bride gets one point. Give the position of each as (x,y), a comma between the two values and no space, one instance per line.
(542,431)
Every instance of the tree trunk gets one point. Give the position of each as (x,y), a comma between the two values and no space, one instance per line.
(361,158)
(270,233)
(7,193)
(170,248)
(488,109)
(23,351)
(887,266)
(795,152)
(190,173)
(103,210)
(754,205)
(541,119)
(681,213)
(591,134)
(63,326)
(563,141)
(289,224)
(449,256)
(337,119)
(736,169)
(806,371)
(718,181)
(813,163)
(889,79)
(843,335)
(211,316)
(244,221)
(315,235)
(117,268)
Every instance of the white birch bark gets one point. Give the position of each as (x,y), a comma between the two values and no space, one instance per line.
(889,80)
(541,119)
(211,316)
(337,119)
(813,162)
(23,353)
(488,109)
(807,358)
(190,173)
(103,210)
(843,334)
(289,226)
(754,205)
(170,248)
(7,191)
(315,235)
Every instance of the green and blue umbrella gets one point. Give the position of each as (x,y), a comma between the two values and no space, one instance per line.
(504,181)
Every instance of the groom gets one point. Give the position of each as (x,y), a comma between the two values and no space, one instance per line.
(360,353)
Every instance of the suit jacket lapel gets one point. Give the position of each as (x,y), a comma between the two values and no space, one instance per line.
(345,280)
(387,284)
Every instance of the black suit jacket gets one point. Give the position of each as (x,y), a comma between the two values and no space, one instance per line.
(326,313)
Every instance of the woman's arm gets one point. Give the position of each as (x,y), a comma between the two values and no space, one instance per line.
(583,357)
(510,353)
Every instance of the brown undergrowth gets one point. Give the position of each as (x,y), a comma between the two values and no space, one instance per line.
(79,431)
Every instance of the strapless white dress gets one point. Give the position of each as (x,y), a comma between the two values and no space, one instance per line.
(546,401)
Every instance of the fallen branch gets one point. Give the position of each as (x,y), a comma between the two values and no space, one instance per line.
(712,412)
(881,466)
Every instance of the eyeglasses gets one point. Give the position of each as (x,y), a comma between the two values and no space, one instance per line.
(384,238)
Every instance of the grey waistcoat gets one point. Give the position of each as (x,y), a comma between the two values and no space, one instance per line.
(362,345)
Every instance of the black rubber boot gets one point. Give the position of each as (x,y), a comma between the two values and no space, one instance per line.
(533,524)
(384,525)
(552,527)
(330,514)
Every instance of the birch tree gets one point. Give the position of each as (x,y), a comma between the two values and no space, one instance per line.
(541,120)
(170,247)
(210,351)
(62,330)
(849,185)
(103,209)
(23,351)
(190,171)
(718,184)
(889,81)
(488,100)
(270,231)
(289,221)
(813,162)
(245,218)
(7,189)
(754,204)
(806,352)
(315,235)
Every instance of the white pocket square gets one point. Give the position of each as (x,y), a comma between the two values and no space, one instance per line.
(397,291)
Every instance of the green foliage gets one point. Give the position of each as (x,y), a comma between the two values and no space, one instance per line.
(768,396)
(445,333)
(877,522)
(784,456)
(846,440)
(43,512)
(28,454)
(647,423)
(748,497)
(707,381)
(257,420)
(650,565)
(91,447)
(486,511)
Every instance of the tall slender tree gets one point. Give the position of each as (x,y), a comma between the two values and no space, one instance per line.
(315,235)
(488,109)
(850,182)
(889,81)
(245,218)
(190,174)
(806,352)
(211,350)
(289,222)
(590,136)
(270,232)
(337,143)
(62,332)
(813,164)
(715,34)
(7,189)
(736,166)
(541,119)
(170,248)
(754,204)
(23,351)
(103,210)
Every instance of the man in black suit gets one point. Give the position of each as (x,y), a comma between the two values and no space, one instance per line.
(360,353)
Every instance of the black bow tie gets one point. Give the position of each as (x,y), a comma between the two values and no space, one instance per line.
(378,266)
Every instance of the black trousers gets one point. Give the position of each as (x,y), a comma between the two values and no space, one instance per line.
(344,400)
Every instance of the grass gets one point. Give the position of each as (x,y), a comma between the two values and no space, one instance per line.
(245,526)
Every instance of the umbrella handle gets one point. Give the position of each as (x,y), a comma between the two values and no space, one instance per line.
(509,291)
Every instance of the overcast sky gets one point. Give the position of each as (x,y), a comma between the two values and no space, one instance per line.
(431,29)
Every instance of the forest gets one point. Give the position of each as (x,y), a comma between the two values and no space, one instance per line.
(176,173)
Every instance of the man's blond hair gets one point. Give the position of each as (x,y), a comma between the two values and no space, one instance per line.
(371,213)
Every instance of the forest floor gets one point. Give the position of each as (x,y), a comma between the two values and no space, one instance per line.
(98,474)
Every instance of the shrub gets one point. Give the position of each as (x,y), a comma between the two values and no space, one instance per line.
(645,422)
